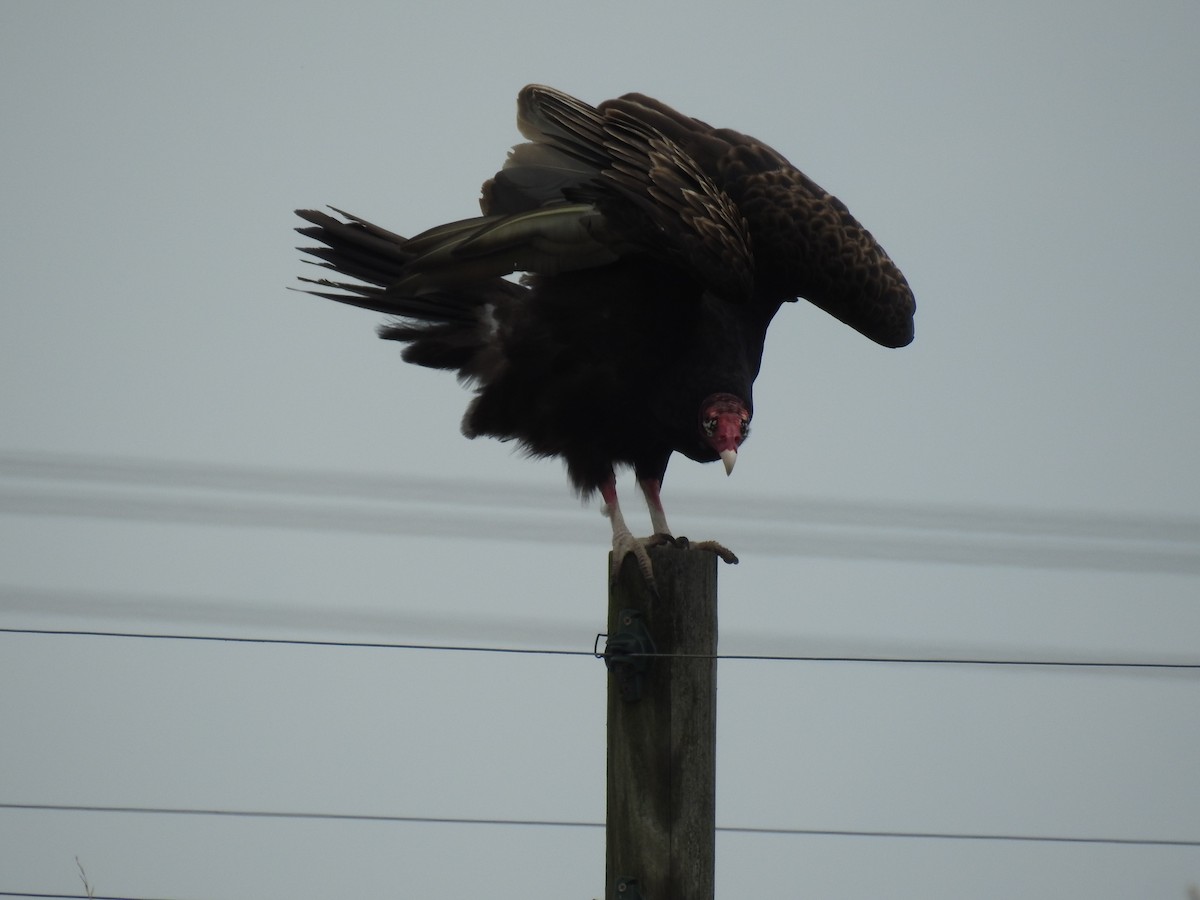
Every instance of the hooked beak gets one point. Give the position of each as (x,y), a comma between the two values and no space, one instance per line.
(729,457)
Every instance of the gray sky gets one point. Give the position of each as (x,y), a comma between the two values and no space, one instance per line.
(1019,483)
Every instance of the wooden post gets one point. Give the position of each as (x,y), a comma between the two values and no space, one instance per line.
(661,820)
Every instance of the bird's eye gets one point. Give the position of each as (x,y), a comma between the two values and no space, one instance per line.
(709,426)
(745,427)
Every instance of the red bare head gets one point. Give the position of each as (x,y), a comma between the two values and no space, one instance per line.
(724,424)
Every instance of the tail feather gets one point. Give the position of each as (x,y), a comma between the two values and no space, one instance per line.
(451,325)
(356,249)
(356,240)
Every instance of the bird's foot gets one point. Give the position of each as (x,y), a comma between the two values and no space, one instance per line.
(624,543)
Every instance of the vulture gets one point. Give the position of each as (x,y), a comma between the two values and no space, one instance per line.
(654,251)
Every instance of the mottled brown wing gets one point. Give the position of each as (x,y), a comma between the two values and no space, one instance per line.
(806,242)
(809,245)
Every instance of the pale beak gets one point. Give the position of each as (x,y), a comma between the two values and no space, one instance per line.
(729,457)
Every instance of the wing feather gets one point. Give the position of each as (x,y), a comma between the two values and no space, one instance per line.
(806,242)
(651,193)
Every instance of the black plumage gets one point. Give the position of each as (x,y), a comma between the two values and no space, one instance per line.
(656,250)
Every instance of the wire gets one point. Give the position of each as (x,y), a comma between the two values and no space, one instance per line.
(965,836)
(177,613)
(160,491)
(96,609)
(935,661)
(464,648)
(561,823)
(299,642)
(332,817)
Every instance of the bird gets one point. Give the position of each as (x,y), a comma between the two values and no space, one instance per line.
(653,251)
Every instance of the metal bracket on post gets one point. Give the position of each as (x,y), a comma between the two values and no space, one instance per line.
(627,655)
(626,889)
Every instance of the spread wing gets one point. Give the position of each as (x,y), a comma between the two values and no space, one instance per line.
(806,242)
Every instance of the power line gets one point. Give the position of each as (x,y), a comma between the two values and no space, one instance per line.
(595,652)
(182,615)
(179,493)
(176,611)
(563,823)
(299,642)
(964,836)
(328,817)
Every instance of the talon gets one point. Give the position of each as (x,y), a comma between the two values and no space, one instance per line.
(623,546)
(722,551)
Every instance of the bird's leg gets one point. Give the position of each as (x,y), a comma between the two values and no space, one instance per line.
(624,542)
(660,530)
(652,488)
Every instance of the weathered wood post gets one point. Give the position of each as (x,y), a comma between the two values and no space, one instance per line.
(660,827)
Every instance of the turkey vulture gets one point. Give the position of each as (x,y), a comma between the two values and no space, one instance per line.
(655,250)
